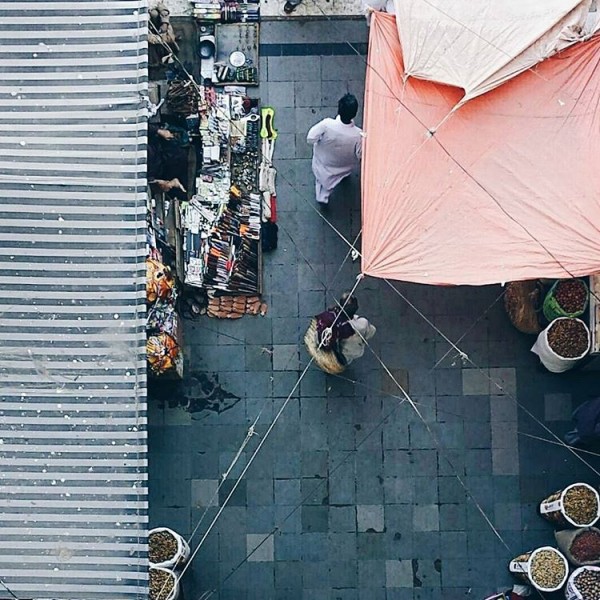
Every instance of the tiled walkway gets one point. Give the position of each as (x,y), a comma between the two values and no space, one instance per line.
(364,494)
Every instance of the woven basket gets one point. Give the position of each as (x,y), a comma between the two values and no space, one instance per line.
(325,359)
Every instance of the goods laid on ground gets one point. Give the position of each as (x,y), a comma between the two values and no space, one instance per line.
(566,298)
(234,307)
(584,584)
(562,344)
(580,546)
(222,220)
(545,568)
(166,548)
(522,300)
(577,505)
(163,584)
(163,328)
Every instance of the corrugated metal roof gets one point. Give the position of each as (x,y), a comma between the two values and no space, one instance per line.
(73,498)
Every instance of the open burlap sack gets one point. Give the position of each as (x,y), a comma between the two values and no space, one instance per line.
(522,300)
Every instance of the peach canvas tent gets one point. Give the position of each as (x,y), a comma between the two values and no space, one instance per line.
(506,188)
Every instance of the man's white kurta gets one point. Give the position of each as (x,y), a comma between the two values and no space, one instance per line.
(337,149)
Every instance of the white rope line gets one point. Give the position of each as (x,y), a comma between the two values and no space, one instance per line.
(439,447)
(251,432)
(542,439)
(531,415)
(257,449)
(467,358)
(209,593)
(469,329)
(463,355)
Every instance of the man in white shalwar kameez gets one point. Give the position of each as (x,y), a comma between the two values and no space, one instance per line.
(337,148)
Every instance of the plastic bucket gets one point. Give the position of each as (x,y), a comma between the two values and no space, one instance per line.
(572,592)
(553,507)
(181,555)
(174,593)
(552,309)
(550,359)
(520,567)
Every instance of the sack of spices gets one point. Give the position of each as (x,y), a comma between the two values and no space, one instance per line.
(566,298)
(163,584)
(545,568)
(580,546)
(584,584)
(578,505)
(562,344)
(166,548)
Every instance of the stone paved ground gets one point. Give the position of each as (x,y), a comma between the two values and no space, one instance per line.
(367,504)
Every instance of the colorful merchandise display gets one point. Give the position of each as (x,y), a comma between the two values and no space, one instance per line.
(222,220)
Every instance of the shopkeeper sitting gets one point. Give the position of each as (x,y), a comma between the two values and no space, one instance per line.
(167,161)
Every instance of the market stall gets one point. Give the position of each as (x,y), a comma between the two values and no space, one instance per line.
(479,170)
(212,185)
(561,313)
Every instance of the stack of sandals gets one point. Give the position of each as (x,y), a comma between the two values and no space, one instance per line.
(325,359)
(234,307)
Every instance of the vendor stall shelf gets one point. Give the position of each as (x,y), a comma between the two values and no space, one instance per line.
(222,220)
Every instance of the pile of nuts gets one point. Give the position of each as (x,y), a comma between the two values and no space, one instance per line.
(162,546)
(586,546)
(547,569)
(568,338)
(161,584)
(581,505)
(588,584)
(571,295)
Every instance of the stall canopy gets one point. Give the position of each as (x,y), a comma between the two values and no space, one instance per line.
(508,188)
(479,45)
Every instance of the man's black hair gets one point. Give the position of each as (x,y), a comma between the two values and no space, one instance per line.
(347,107)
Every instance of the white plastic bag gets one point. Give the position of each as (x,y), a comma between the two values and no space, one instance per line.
(552,361)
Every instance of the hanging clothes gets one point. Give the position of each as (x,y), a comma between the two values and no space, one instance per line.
(337,150)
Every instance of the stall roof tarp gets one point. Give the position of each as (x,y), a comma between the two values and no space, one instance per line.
(479,45)
(508,188)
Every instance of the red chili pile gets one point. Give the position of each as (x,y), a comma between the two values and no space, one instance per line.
(568,338)
(571,294)
(586,547)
